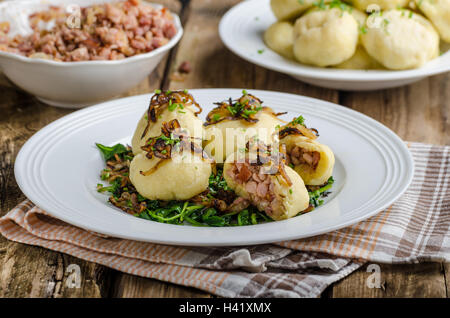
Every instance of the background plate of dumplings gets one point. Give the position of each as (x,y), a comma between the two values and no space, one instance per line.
(242,31)
(58,169)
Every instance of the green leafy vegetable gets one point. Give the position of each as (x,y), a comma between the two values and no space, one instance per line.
(109,152)
(314,196)
(125,197)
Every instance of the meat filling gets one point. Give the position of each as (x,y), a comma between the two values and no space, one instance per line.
(259,186)
(299,156)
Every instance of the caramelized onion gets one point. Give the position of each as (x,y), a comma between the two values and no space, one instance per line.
(245,108)
(297,129)
(162,100)
(171,135)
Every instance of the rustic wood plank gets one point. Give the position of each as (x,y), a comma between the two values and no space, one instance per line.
(416,280)
(27,271)
(129,286)
(417,112)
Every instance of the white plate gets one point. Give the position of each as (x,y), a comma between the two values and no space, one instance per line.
(241,30)
(58,169)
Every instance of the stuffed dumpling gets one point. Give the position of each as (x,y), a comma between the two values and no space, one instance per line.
(313,161)
(263,179)
(164,107)
(172,166)
(232,123)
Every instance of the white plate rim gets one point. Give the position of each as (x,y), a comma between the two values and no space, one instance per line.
(21,178)
(306,71)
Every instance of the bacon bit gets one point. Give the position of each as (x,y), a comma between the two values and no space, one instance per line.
(117,26)
(185,67)
(272,162)
(300,156)
(244,174)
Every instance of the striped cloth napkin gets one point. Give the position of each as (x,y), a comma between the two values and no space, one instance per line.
(416,228)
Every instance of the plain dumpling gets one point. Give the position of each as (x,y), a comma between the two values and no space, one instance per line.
(269,193)
(187,119)
(325,37)
(381,4)
(360,61)
(280,38)
(438,11)
(290,9)
(359,16)
(221,144)
(402,40)
(179,178)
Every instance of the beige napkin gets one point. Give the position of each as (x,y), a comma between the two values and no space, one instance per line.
(415,228)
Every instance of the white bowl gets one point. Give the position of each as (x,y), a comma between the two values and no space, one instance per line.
(73,84)
(241,30)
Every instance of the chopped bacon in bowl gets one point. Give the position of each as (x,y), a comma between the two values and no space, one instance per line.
(108,31)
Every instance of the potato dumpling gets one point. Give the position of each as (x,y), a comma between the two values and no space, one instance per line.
(269,193)
(360,61)
(233,123)
(179,178)
(313,161)
(438,11)
(359,16)
(223,137)
(290,9)
(187,119)
(325,37)
(401,40)
(382,4)
(280,38)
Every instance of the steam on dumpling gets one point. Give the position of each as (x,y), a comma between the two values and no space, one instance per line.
(438,11)
(401,40)
(262,178)
(280,38)
(290,9)
(313,161)
(232,123)
(164,107)
(325,37)
(171,167)
(365,5)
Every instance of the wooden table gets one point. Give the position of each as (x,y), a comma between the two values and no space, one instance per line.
(419,112)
